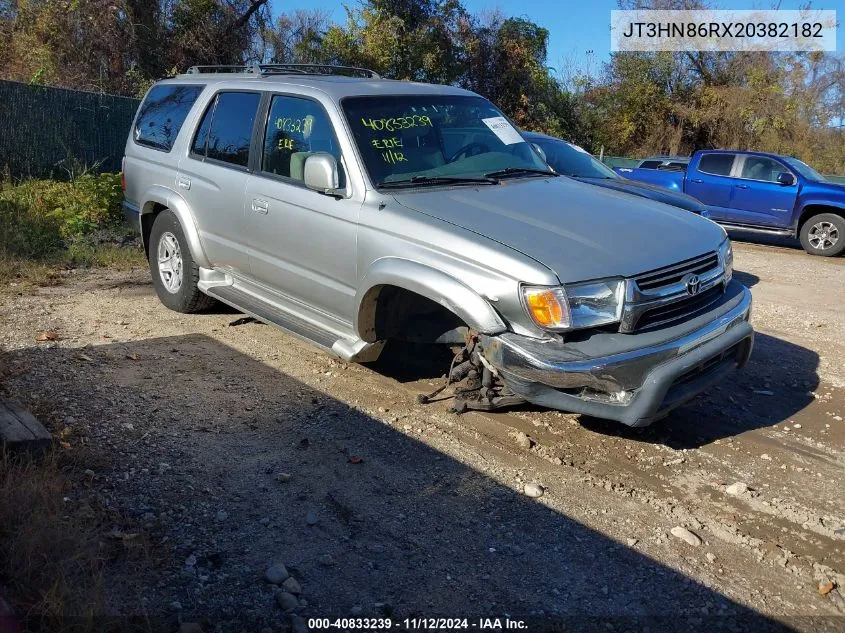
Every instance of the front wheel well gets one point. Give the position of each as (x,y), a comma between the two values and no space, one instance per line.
(815,209)
(393,313)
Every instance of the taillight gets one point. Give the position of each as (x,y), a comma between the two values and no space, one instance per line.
(123,174)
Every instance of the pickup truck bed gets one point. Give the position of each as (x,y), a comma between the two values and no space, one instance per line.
(672,180)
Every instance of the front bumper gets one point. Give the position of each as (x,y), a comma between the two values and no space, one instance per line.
(635,385)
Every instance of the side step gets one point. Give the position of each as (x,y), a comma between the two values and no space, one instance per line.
(249,304)
(758,229)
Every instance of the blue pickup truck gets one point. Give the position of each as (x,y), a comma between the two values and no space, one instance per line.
(759,192)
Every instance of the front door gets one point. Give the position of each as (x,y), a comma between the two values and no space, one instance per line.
(758,197)
(303,243)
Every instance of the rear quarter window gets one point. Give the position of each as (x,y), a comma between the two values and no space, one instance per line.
(162,114)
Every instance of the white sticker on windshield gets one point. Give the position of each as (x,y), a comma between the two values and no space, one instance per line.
(502,128)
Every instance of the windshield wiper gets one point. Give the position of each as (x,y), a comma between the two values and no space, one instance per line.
(515,171)
(438,180)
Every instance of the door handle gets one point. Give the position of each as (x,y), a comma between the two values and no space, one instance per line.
(183,182)
(697,180)
(742,186)
(260,206)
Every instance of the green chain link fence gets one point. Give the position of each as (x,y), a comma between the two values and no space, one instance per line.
(57,133)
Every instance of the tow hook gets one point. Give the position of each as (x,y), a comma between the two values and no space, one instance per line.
(478,385)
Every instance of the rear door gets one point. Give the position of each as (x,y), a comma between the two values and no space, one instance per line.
(709,181)
(758,198)
(213,177)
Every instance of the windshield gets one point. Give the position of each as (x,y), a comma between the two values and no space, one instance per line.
(804,169)
(436,139)
(571,160)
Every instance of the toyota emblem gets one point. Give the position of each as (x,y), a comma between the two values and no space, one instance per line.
(693,283)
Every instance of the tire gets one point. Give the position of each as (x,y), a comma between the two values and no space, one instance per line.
(174,271)
(823,234)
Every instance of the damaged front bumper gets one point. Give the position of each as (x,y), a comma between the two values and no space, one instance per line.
(632,378)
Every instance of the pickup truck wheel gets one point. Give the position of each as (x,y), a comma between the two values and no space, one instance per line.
(175,274)
(824,234)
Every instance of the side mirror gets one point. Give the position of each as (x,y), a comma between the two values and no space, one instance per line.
(786,179)
(321,174)
(540,151)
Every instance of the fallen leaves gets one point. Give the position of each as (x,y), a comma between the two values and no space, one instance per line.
(49,335)
(826,587)
(354,459)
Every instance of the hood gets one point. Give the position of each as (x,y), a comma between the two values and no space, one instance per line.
(578,231)
(646,190)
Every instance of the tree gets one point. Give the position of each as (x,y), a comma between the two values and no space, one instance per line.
(115,45)
(296,38)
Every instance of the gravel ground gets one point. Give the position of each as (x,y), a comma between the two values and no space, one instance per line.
(270,484)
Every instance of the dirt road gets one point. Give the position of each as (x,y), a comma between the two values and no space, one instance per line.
(230,448)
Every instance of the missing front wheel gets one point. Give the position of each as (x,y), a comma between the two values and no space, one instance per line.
(477,384)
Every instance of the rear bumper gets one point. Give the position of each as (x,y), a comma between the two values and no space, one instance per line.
(636,386)
(132,215)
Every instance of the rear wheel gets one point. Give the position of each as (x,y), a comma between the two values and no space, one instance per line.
(174,271)
(824,234)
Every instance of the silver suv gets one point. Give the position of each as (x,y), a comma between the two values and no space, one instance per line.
(351,210)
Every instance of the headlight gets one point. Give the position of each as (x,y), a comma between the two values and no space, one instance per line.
(726,255)
(576,306)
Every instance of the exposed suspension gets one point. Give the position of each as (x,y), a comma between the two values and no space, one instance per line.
(478,385)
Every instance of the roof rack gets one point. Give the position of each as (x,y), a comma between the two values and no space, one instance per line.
(287,69)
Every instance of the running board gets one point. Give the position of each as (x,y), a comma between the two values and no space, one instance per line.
(758,229)
(352,351)
(253,306)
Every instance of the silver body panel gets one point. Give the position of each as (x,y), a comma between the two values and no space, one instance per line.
(313,263)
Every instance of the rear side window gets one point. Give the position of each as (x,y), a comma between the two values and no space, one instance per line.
(226,129)
(201,138)
(650,164)
(716,164)
(162,114)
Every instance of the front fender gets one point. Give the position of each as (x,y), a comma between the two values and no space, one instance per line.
(428,282)
(159,195)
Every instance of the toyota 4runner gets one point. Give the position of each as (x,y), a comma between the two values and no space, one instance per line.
(351,210)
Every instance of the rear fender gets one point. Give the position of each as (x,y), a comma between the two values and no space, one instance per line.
(158,195)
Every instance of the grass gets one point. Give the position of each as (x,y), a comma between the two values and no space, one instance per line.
(47,226)
(50,557)
(56,537)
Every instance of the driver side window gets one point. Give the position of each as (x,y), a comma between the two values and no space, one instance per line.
(761,168)
(296,129)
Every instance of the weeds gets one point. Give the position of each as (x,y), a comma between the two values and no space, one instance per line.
(50,559)
(39,217)
(48,224)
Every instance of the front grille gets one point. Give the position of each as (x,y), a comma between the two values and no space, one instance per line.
(673,274)
(661,296)
(683,308)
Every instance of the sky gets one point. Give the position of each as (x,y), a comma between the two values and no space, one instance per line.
(579,30)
